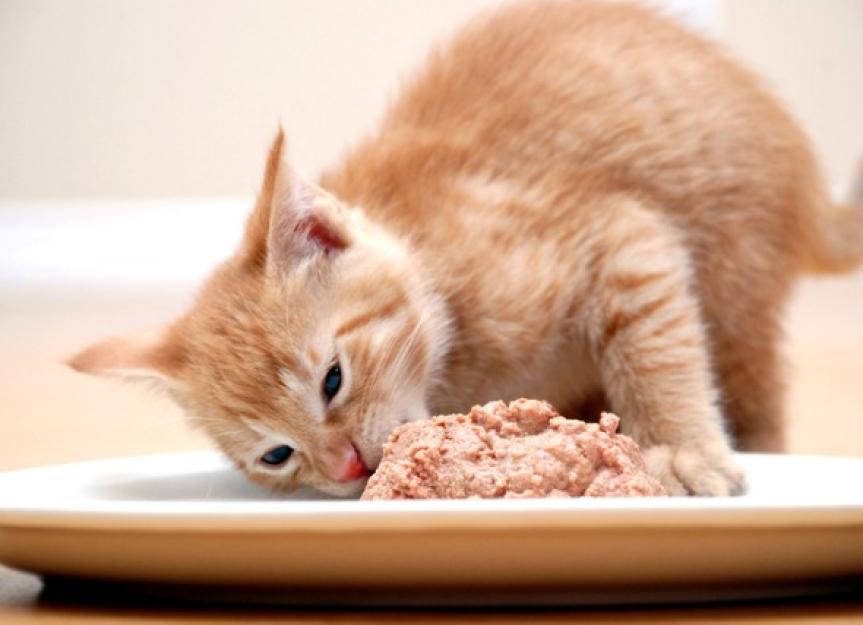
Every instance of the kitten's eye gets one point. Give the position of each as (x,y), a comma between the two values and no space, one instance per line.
(332,382)
(277,455)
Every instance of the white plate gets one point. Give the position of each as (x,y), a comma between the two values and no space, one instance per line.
(190,518)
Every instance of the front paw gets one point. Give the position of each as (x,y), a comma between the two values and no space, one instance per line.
(696,468)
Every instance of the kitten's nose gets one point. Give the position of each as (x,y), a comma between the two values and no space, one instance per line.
(355,468)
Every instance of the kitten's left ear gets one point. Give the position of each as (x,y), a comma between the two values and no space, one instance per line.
(304,220)
(146,356)
(293,219)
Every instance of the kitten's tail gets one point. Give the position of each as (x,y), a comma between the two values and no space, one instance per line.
(835,242)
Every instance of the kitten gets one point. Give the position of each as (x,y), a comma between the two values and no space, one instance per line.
(578,202)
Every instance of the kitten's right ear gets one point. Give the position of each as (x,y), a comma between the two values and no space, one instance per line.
(292,218)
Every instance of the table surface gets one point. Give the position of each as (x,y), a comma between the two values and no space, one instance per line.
(40,328)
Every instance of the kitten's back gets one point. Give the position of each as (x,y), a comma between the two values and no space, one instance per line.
(549,93)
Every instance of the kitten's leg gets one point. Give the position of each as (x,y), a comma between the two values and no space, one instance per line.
(644,326)
(743,298)
(749,368)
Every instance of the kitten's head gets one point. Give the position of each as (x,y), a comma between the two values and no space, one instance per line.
(305,349)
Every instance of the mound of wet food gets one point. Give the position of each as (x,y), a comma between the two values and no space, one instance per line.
(519,449)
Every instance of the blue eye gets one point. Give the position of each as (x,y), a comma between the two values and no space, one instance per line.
(277,455)
(332,382)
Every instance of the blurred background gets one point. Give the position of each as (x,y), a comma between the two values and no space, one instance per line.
(132,139)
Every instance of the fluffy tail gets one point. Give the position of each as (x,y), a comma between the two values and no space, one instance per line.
(835,242)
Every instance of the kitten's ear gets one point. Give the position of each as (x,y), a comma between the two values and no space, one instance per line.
(146,356)
(292,219)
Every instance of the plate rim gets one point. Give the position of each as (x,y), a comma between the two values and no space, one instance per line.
(338,516)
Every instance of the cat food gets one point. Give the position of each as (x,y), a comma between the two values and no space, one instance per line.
(521,449)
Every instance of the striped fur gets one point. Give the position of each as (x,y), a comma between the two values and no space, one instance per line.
(578,202)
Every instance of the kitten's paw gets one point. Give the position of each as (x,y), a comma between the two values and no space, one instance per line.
(696,468)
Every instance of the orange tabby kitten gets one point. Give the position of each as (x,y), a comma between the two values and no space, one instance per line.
(578,202)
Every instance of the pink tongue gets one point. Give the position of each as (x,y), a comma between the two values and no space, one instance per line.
(356,469)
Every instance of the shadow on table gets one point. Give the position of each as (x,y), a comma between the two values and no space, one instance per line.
(118,601)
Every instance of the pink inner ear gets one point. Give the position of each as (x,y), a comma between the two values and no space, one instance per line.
(320,234)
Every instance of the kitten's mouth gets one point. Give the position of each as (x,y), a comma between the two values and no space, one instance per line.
(356,467)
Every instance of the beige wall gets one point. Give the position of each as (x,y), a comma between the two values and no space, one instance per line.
(159,98)
(162,98)
(811,53)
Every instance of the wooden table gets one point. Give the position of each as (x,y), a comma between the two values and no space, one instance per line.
(52,415)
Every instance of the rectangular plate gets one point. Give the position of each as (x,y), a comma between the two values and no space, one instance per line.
(191,518)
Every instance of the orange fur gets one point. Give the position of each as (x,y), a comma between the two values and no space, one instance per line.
(578,202)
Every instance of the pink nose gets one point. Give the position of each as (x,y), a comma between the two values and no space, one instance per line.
(355,468)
